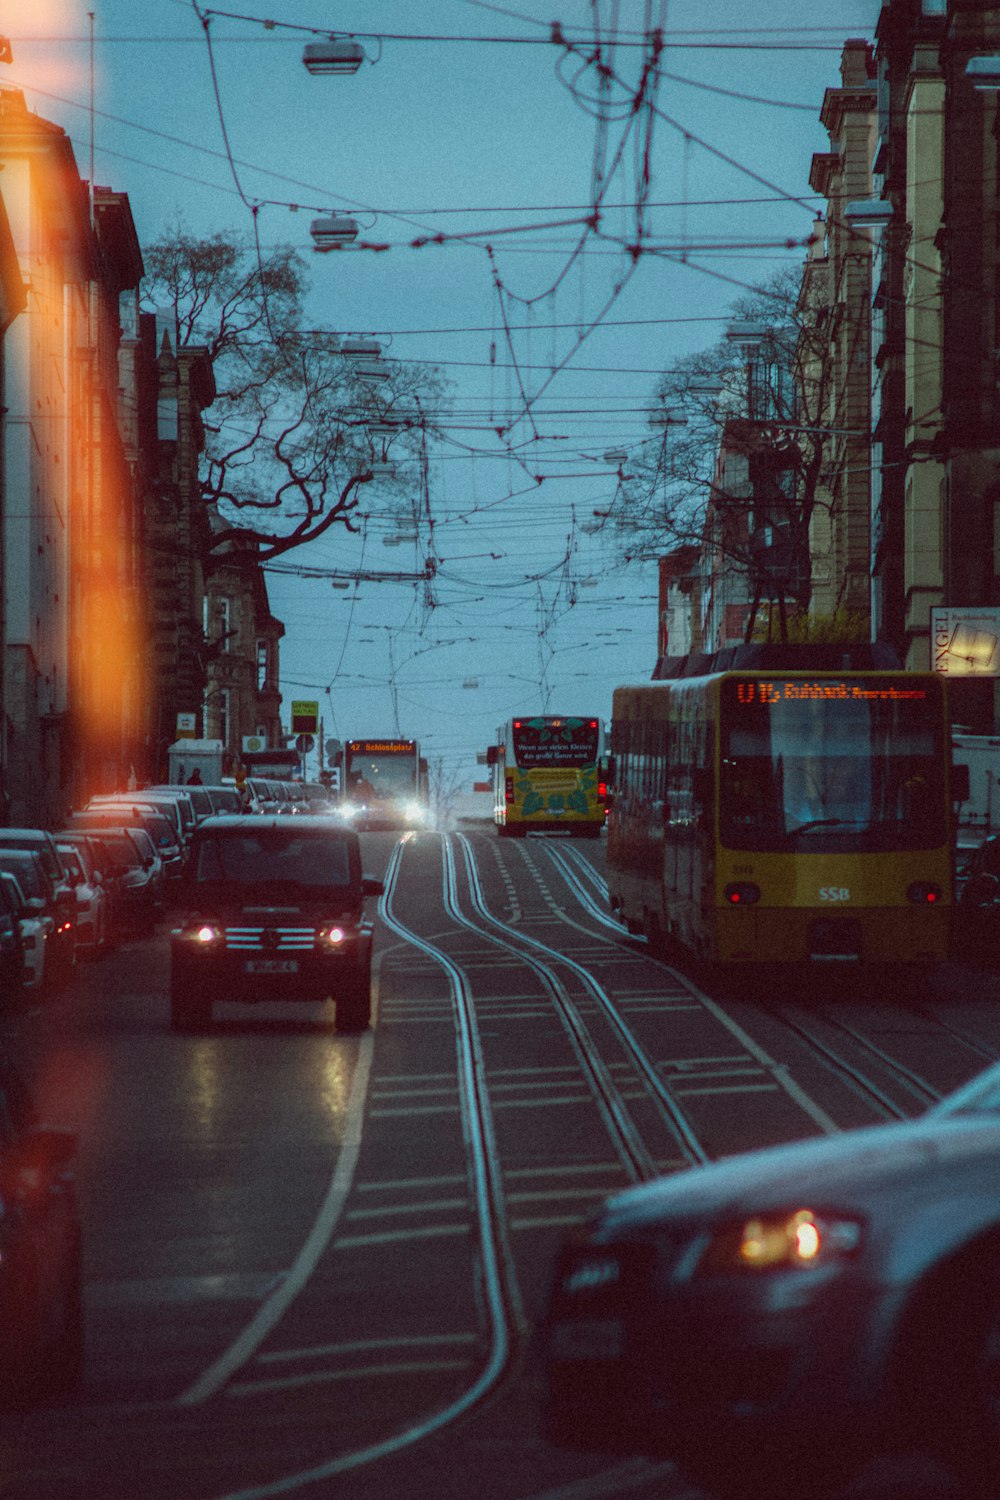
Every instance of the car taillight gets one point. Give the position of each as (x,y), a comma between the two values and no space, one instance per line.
(508,789)
(602,791)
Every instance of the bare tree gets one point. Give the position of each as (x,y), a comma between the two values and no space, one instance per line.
(768,405)
(296,428)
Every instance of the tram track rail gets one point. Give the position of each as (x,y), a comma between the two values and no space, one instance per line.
(560,975)
(501,1297)
(918,1091)
(755,1054)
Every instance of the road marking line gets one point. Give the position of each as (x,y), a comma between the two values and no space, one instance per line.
(273,1309)
(557,1221)
(361,1346)
(439,1205)
(431,1232)
(384,1112)
(614,1167)
(404,1183)
(245,1388)
(734,1088)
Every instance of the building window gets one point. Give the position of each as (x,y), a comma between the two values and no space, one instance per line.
(221,629)
(261,664)
(223,703)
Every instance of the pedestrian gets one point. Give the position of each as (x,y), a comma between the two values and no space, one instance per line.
(195,778)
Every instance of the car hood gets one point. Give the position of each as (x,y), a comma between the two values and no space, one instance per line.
(855,1169)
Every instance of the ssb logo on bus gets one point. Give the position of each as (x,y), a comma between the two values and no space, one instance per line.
(834,893)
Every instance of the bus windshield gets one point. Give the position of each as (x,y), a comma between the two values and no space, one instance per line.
(849,765)
(555,742)
(382,773)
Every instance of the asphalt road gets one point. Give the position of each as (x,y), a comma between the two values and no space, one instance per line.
(315,1263)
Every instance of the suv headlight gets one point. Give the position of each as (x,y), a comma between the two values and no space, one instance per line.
(332,936)
(776,1241)
(203,934)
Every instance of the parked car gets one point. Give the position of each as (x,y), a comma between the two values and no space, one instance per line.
(261,796)
(158,822)
(138,894)
(175,798)
(90,840)
(273,910)
(41,1313)
(40,842)
(11,941)
(36,929)
(226,799)
(167,806)
(55,954)
(91,898)
(775,1320)
(194,802)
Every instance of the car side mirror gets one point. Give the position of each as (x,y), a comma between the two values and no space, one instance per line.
(372,887)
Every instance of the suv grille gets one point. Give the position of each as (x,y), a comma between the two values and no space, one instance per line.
(270,939)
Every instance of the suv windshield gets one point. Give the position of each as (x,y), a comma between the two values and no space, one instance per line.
(248,858)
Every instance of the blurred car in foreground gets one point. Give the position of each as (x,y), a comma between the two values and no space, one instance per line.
(41,1314)
(273,911)
(777,1321)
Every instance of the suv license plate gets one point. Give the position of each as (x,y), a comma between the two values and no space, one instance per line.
(271,966)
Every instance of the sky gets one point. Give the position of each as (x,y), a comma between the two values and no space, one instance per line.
(471,128)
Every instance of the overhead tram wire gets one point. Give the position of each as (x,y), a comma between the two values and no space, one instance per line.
(619,38)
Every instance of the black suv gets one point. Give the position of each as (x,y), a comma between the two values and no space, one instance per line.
(273,911)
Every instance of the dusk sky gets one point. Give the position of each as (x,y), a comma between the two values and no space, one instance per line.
(469,121)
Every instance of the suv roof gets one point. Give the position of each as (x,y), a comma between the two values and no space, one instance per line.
(38,841)
(309,855)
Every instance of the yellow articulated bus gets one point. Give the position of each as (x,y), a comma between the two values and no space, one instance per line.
(785,817)
(548,776)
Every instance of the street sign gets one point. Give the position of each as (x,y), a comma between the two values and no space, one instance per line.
(254,742)
(305,717)
(304,743)
(965,641)
(186,725)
